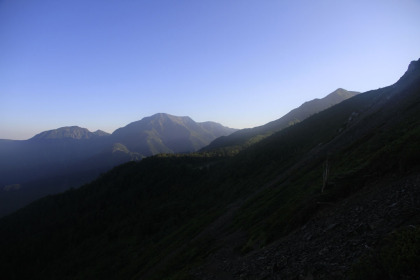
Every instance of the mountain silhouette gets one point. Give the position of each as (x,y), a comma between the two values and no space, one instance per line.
(71,132)
(164,133)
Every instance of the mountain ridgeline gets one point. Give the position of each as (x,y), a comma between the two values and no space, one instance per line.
(71,132)
(335,196)
(241,139)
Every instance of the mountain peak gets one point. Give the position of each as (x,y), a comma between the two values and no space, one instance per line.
(160,116)
(337,96)
(101,133)
(340,91)
(413,66)
(165,116)
(343,93)
(67,132)
(413,72)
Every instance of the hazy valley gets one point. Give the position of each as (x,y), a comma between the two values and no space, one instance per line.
(56,160)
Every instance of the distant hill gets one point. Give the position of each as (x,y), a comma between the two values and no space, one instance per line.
(246,137)
(335,196)
(55,160)
(71,132)
(47,153)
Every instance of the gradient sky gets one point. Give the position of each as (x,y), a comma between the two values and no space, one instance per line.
(102,64)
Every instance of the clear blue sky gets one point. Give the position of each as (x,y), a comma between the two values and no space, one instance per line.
(102,64)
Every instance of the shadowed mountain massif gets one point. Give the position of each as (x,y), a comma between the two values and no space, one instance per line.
(55,160)
(335,196)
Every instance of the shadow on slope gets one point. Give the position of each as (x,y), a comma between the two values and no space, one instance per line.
(153,219)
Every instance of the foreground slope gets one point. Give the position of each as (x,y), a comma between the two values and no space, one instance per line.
(364,225)
(263,214)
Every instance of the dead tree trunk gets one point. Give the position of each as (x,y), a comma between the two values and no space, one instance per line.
(325,175)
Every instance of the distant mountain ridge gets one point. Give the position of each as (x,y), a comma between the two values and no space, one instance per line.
(70,153)
(309,108)
(69,132)
(245,137)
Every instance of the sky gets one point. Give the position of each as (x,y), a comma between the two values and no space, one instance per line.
(101,64)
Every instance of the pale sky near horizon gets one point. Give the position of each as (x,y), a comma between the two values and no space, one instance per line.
(102,64)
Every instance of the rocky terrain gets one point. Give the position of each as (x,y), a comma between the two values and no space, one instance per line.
(330,243)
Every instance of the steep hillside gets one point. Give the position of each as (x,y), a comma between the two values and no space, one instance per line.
(334,196)
(235,142)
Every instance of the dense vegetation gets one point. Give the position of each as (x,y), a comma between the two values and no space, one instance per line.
(155,219)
